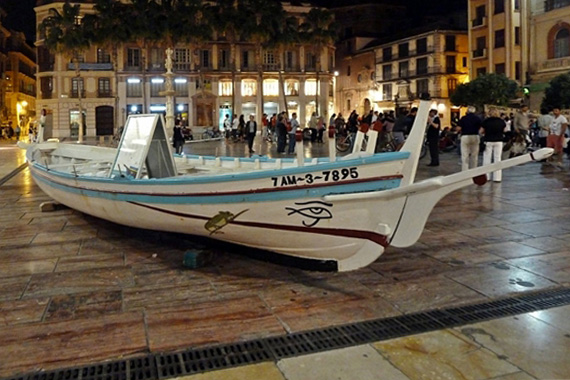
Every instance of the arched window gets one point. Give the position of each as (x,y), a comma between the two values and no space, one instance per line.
(562,43)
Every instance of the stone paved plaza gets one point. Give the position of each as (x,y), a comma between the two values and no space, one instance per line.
(77,290)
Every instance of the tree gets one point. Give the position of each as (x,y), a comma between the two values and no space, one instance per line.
(65,33)
(557,94)
(286,35)
(260,29)
(492,89)
(231,18)
(109,31)
(317,30)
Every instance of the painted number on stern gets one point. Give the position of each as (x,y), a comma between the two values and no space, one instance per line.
(310,178)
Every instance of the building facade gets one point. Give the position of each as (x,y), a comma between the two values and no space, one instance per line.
(20,80)
(498,30)
(110,91)
(4,35)
(356,80)
(549,45)
(434,63)
(527,40)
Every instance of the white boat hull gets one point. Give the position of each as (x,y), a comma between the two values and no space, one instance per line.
(343,212)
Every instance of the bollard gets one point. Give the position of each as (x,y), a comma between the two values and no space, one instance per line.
(300,148)
(332,143)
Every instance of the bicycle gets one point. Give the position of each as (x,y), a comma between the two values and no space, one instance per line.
(211,134)
(345,142)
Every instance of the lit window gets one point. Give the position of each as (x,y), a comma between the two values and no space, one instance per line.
(292,88)
(271,87)
(310,87)
(225,88)
(249,87)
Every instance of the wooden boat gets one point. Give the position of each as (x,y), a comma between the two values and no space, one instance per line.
(340,211)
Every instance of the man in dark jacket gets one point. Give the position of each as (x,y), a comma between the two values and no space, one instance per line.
(250,131)
(434,126)
(281,130)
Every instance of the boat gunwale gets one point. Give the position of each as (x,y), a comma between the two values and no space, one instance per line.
(253,174)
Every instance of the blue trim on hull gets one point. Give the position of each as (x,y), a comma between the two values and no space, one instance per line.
(272,196)
(257,174)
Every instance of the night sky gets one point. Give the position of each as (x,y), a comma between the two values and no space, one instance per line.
(21,12)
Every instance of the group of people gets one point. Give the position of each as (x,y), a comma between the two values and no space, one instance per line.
(496,130)
(8,132)
(240,130)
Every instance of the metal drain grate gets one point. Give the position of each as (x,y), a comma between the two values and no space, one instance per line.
(192,361)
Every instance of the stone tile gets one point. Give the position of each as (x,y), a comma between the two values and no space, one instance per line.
(45,346)
(83,305)
(210,323)
(401,268)
(540,229)
(15,241)
(22,311)
(13,287)
(547,244)
(62,237)
(534,203)
(309,317)
(532,345)
(443,355)
(265,371)
(556,317)
(78,263)
(16,268)
(510,249)
(360,362)
(39,252)
(500,279)
(554,266)
(458,256)
(522,217)
(494,234)
(446,238)
(314,293)
(168,292)
(427,293)
(52,284)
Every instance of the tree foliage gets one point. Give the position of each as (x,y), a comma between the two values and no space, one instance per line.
(557,94)
(494,89)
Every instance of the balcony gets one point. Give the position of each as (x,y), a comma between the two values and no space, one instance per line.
(292,68)
(91,66)
(75,94)
(479,21)
(555,64)
(156,66)
(550,5)
(272,67)
(411,54)
(104,94)
(479,53)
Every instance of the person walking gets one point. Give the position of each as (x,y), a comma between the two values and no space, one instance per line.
(281,131)
(470,125)
(434,126)
(555,138)
(493,130)
(294,126)
(250,131)
(313,126)
(543,123)
(178,138)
